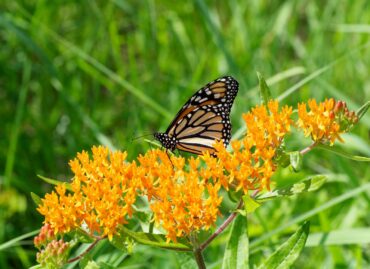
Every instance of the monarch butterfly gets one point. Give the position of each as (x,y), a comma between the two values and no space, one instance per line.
(203,120)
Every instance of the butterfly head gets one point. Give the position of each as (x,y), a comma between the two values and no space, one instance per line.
(167,141)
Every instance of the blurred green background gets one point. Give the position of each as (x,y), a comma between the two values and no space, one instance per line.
(79,73)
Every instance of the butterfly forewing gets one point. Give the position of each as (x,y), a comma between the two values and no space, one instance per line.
(204,119)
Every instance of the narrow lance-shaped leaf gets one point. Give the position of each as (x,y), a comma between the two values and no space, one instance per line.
(295,160)
(55,182)
(343,153)
(237,249)
(287,253)
(264,89)
(154,240)
(36,199)
(307,185)
(362,110)
(186,260)
(81,236)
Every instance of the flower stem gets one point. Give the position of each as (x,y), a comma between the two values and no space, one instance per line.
(86,251)
(199,258)
(221,228)
(197,251)
(310,147)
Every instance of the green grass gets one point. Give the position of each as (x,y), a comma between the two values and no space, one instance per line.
(79,73)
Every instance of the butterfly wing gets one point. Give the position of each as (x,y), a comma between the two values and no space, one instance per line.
(204,119)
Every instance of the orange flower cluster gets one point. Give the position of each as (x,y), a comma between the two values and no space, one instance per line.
(325,121)
(182,202)
(103,194)
(251,164)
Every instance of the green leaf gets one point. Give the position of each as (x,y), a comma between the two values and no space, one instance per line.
(81,236)
(37,266)
(234,196)
(55,182)
(343,153)
(283,159)
(104,265)
(154,240)
(36,199)
(237,249)
(123,243)
(85,262)
(362,110)
(186,260)
(309,184)
(287,253)
(265,93)
(250,204)
(295,160)
(91,264)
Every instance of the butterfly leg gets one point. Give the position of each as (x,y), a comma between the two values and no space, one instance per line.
(169,157)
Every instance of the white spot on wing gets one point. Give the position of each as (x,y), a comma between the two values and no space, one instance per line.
(198,141)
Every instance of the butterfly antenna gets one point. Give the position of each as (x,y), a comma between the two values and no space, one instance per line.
(140,136)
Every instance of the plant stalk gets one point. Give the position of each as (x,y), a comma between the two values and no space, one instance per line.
(197,251)
(222,227)
(199,258)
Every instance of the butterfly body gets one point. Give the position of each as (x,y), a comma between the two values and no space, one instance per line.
(203,120)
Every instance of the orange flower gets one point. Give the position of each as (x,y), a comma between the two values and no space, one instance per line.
(325,121)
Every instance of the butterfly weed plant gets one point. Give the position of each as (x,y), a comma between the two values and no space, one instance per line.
(182,196)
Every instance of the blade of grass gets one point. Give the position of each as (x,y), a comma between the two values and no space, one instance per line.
(26,76)
(216,35)
(15,241)
(359,236)
(352,28)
